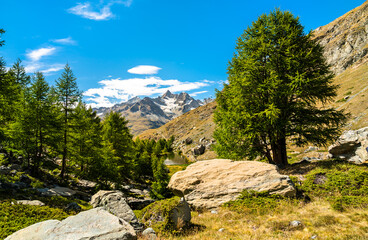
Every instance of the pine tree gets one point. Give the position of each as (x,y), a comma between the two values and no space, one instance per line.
(86,139)
(31,131)
(117,135)
(277,77)
(68,95)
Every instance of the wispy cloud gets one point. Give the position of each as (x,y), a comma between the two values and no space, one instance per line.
(144,70)
(65,41)
(86,10)
(34,62)
(36,55)
(198,93)
(53,68)
(118,90)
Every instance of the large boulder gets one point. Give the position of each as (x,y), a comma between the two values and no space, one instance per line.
(351,145)
(96,224)
(209,184)
(114,202)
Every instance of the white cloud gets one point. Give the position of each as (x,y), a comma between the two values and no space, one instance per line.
(34,61)
(53,68)
(86,10)
(144,70)
(65,41)
(36,55)
(119,90)
(197,93)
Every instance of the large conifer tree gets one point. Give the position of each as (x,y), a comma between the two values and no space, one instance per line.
(277,77)
(68,96)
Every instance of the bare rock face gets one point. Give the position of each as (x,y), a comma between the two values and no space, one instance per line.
(96,224)
(345,39)
(351,145)
(114,202)
(209,184)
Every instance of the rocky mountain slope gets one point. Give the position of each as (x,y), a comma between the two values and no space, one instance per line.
(150,113)
(346,47)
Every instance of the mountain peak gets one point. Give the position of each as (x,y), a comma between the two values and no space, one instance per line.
(167,94)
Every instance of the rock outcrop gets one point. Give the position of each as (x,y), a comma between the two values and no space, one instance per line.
(351,145)
(114,202)
(209,184)
(345,39)
(96,224)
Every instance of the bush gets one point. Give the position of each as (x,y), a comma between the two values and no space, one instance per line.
(14,217)
(260,203)
(343,184)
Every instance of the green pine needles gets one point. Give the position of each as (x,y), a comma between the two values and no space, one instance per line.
(277,77)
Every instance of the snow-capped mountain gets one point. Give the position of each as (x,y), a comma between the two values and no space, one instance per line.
(149,113)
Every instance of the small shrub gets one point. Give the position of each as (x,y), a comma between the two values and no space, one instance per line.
(260,203)
(345,184)
(14,217)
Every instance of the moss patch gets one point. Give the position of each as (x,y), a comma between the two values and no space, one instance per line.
(157,215)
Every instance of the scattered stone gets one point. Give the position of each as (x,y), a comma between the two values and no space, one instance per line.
(295,224)
(188,141)
(221,229)
(351,145)
(208,184)
(314,237)
(214,212)
(181,215)
(114,202)
(311,149)
(57,191)
(199,150)
(31,202)
(92,224)
(149,234)
(173,213)
(73,206)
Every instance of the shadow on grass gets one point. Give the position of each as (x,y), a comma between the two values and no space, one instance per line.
(305,166)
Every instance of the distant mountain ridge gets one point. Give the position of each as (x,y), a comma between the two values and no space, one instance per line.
(150,113)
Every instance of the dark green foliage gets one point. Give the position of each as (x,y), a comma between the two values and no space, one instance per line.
(68,95)
(149,158)
(343,184)
(276,78)
(161,179)
(14,217)
(34,122)
(118,139)
(157,215)
(259,203)
(86,141)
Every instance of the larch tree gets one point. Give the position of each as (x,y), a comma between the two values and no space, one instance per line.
(277,78)
(68,96)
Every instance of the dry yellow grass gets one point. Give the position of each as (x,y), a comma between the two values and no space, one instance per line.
(318,219)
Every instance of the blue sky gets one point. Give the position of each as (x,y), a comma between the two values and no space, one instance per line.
(119,49)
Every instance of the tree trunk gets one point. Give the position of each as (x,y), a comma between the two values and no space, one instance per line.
(279,152)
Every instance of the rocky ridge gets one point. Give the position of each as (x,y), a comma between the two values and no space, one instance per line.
(345,40)
(150,113)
